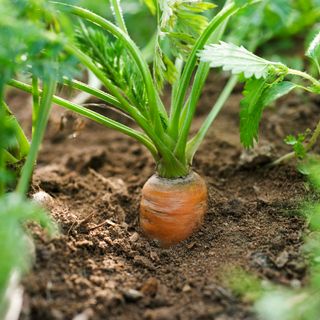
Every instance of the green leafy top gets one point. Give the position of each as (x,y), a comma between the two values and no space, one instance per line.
(120,66)
(113,58)
(181,23)
(183,19)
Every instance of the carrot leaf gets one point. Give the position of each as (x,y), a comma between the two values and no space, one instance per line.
(258,94)
(182,22)
(238,60)
(112,58)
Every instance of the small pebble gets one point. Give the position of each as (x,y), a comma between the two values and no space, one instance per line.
(282,259)
(186,288)
(43,198)
(85,315)
(132,295)
(134,237)
(164,313)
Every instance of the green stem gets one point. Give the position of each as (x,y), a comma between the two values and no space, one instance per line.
(132,111)
(94,116)
(23,142)
(198,84)
(283,159)
(49,88)
(305,76)
(225,13)
(108,98)
(157,109)
(9,158)
(35,100)
(316,61)
(195,142)
(175,86)
(2,171)
(170,166)
(161,141)
(86,60)
(107,122)
(117,12)
(313,140)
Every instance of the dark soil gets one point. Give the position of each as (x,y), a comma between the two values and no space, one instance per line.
(101,267)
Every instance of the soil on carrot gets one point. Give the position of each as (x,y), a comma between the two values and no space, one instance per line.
(102,267)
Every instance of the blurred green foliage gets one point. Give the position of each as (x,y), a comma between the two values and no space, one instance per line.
(16,247)
(25,47)
(282,26)
(25,43)
(15,244)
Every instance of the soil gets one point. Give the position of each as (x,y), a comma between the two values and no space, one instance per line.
(101,266)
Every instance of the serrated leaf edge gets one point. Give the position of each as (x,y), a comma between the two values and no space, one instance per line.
(315,43)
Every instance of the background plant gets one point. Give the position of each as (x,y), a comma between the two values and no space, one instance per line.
(26,51)
(265,81)
(15,211)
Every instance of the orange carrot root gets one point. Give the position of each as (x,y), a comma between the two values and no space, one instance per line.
(172,209)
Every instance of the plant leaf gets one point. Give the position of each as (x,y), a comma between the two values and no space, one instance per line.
(258,94)
(281,8)
(251,111)
(113,59)
(183,19)
(181,23)
(313,51)
(237,60)
(276,91)
(163,69)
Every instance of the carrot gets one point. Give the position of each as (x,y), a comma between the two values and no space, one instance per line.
(172,209)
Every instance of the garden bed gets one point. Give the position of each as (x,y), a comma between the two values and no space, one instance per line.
(103,268)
